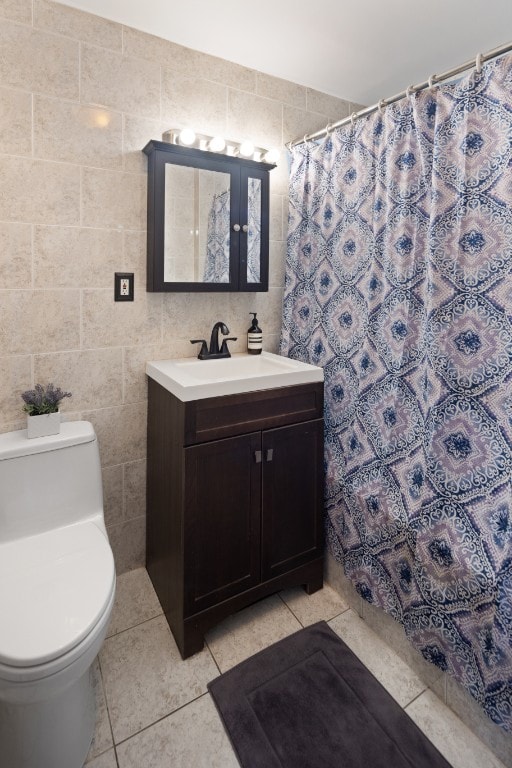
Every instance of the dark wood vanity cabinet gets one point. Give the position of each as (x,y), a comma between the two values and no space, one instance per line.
(234,502)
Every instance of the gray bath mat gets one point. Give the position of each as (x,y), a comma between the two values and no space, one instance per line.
(308,702)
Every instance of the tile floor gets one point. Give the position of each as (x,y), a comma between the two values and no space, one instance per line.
(154,710)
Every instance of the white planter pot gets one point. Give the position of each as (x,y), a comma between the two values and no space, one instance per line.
(41,426)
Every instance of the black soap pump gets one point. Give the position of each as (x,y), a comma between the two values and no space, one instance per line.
(254,337)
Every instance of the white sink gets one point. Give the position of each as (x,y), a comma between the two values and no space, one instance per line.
(193,379)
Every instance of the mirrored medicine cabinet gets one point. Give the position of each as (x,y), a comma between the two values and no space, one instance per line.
(208,220)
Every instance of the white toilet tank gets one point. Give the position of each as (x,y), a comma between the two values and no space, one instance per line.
(48,482)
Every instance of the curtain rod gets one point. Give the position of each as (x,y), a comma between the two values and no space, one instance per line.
(477,62)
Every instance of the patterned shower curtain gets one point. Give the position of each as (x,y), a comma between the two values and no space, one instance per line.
(398,284)
(216,268)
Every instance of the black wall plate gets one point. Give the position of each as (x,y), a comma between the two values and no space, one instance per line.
(123,286)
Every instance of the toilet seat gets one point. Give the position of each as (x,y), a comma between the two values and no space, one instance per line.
(45,679)
(54,588)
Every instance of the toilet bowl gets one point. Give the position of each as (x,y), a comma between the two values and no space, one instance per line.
(57,588)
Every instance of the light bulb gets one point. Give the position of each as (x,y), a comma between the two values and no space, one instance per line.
(217,144)
(187,136)
(246,148)
(272,156)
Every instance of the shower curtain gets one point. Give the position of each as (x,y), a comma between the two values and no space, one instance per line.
(398,283)
(216,267)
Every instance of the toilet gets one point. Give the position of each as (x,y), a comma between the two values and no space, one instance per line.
(57,587)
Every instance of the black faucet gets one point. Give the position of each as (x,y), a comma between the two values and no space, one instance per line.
(214,352)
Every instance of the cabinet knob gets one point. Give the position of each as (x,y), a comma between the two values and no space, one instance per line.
(236,227)
(257,457)
(270,454)
(245,228)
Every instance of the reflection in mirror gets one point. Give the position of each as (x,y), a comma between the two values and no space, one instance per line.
(217,246)
(254,231)
(217,240)
(195,201)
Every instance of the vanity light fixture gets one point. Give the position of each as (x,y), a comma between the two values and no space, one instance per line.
(217,144)
(246,149)
(189,138)
(272,156)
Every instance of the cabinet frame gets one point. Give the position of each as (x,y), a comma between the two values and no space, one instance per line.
(240,170)
(174,428)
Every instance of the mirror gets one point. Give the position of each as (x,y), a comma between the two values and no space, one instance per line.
(207,220)
(196,233)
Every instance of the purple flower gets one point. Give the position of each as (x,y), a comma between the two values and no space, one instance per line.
(42,400)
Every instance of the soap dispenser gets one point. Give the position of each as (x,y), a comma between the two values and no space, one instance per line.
(254,337)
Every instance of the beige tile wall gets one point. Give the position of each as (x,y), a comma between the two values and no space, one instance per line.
(80,96)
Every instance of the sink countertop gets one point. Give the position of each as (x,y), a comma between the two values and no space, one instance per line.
(192,379)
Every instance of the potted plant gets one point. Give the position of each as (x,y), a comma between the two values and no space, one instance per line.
(42,407)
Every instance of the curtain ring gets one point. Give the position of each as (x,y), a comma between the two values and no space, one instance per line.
(381,105)
(409,90)
(431,81)
(305,139)
(328,129)
(478,62)
(353,117)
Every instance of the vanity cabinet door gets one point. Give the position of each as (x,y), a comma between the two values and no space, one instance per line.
(254,232)
(222,523)
(292,497)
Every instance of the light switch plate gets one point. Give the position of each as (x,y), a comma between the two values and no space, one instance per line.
(123,286)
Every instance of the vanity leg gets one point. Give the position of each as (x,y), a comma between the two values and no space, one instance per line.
(314,585)
(193,641)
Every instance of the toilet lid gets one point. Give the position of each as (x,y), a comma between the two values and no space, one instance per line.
(54,587)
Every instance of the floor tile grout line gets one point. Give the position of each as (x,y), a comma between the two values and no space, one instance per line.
(132,626)
(159,720)
(212,655)
(108,709)
(330,618)
(100,754)
(291,611)
(428,736)
(415,698)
